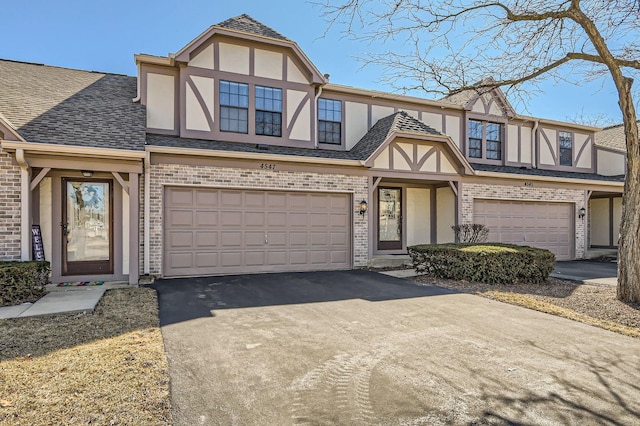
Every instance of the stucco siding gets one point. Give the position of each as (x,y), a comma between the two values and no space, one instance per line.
(219,177)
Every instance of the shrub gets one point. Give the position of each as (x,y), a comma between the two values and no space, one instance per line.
(22,281)
(471,233)
(488,263)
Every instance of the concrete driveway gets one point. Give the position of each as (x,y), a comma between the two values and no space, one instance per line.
(603,273)
(361,348)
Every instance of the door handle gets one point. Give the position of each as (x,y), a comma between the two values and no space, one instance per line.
(266,239)
(64,226)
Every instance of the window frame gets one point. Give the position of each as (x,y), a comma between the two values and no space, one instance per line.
(231,107)
(331,122)
(274,111)
(484,141)
(561,148)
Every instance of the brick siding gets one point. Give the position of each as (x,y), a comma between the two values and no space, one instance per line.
(9,208)
(471,191)
(176,174)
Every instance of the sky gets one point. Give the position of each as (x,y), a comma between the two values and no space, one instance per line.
(104,36)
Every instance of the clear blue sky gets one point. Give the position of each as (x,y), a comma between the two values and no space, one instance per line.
(104,36)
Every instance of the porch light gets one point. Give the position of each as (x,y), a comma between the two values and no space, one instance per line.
(363,207)
(582,213)
(86,173)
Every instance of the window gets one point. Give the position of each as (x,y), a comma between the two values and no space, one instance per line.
(566,148)
(494,141)
(475,139)
(268,111)
(485,140)
(329,121)
(234,107)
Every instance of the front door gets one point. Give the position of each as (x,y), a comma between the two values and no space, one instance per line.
(87,226)
(389,218)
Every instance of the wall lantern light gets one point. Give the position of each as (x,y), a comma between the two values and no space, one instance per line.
(363,207)
(582,213)
(86,173)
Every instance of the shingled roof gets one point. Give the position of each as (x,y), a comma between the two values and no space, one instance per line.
(398,122)
(612,137)
(543,172)
(64,106)
(247,24)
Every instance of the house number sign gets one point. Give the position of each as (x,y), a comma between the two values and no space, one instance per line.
(268,166)
(528,184)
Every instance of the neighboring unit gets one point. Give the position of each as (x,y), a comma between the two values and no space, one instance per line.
(236,155)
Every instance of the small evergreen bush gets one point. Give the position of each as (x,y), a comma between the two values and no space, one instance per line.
(490,263)
(22,281)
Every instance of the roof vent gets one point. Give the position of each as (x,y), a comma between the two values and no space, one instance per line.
(327,76)
(262,146)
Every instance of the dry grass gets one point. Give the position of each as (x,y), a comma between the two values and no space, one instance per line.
(108,367)
(589,304)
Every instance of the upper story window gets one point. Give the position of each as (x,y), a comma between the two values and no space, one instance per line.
(566,148)
(485,140)
(329,121)
(234,107)
(268,111)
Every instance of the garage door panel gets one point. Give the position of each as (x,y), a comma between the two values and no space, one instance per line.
(254,219)
(539,224)
(179,239)
(216,231)
(181,197)
(206,259)
(299,257)
(206,239)
(298,219)
(231,239)
(254,239)
(276,239)
(230,218)
(206,198)
(206,218)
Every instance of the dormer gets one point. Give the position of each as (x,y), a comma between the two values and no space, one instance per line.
(238,81)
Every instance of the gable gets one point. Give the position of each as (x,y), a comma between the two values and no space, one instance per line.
(409,153)
(491,103)
(228,50)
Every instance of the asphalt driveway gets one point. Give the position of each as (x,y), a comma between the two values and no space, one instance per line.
(357,347)
(605,273)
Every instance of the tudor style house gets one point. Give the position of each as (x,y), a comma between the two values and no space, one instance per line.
(236,155)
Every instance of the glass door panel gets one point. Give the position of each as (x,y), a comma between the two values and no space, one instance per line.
(389,218)
(87,227)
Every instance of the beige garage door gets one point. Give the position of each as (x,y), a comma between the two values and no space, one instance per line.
(537,224)
(225,231)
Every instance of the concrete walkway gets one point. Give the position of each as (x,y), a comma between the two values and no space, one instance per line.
(58,301)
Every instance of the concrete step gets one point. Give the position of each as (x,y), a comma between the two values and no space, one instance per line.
(390,261)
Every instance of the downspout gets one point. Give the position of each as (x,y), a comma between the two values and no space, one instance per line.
(137,98)
(534,130)
(315,115)
(25,206)
(147,211)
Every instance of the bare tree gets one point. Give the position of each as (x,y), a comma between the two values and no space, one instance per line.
(456,44)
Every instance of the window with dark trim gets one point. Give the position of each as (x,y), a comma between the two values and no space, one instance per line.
(494,141)
(234,107)
(485,140)
(329,121)
(475,139)
(268,111)
(566,148)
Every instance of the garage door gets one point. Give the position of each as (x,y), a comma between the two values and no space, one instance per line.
(223,231)
(537,224)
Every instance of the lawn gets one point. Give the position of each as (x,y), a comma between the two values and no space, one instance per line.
(108,367)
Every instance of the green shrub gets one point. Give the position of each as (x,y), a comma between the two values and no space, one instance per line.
(22,281)
(488,263)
